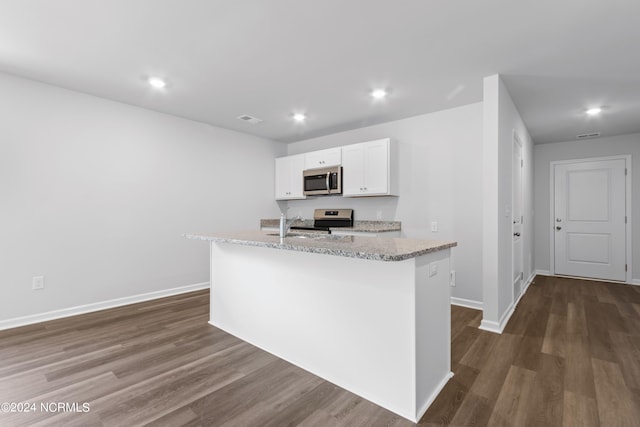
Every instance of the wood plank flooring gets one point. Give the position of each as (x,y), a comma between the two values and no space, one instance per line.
(570,356)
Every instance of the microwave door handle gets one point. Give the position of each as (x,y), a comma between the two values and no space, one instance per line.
(328,183)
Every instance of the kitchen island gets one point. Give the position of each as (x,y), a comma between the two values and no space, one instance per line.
(371,315)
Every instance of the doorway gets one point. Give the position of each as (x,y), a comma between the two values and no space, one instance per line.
(589,227)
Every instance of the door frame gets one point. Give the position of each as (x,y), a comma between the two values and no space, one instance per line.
(517,142)
(552,246)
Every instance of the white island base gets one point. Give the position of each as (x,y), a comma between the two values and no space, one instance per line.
(376,328)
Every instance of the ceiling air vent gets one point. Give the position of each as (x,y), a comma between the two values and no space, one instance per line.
(250,119)
(588,135)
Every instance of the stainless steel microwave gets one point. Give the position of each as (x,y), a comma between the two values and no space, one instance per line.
(322,181)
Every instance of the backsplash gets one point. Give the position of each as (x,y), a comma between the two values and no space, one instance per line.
(364,208)
(358,225)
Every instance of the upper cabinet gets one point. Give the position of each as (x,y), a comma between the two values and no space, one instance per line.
(370,169)
(323,158)
(289,177)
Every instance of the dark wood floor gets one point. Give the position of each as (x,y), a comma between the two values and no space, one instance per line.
(570,356)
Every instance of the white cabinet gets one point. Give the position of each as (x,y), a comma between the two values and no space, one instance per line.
(369,169)
(323,158)
(289,177)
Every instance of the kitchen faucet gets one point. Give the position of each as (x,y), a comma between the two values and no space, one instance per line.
(285,224)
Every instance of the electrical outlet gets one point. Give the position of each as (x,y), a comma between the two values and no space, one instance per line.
(434,226)
(37,282)
(379,215)
(433,269)
(452,277)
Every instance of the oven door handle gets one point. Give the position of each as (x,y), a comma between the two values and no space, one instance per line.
(328,182)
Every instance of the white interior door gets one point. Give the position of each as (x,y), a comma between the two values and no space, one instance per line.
(517,218)
(589,219)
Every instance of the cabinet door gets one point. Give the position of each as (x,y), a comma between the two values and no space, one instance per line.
(288,174)
(295,178)
(283,174)
(376,167)
(353,170)
(323,158)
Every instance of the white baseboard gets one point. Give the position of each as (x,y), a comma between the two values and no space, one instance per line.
(103,305)
(526,287)
(591,279)
(469,303)
(498,327)
(433,396)
(487,325)
(543,272)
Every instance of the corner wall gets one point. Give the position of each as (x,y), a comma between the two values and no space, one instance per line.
(440,172)
(96,195)
(500,120)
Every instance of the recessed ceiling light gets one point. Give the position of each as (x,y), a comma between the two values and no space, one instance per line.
(379,94)
(299,117)
(594,111)
(157,82)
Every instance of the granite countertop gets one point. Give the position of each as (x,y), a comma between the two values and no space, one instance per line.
(373,248)
(360,226)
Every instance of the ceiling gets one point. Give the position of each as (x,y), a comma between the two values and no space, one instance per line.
(272,58)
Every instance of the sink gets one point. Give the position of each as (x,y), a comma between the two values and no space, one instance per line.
(303,235)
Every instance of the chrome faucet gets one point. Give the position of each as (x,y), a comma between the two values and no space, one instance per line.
(285,224)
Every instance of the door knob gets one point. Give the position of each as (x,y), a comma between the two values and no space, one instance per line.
(516,234)
(558,228)
(558,219)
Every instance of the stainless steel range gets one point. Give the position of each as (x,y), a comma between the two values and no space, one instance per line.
(325,219)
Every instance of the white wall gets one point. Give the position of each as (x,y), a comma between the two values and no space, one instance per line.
(440,179)
(601,147)
(95,196)
(500,120)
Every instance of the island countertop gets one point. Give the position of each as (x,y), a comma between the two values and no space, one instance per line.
(373,248)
